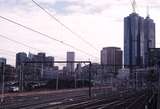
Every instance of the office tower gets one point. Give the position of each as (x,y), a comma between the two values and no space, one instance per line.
(3,60)
(50,61)
(111,59)
(20,58)
(2,64)
(139,37)
(8,70)
(133,40)
(10,73)
(40,57)
(149,38)
(111,56)
(70,64)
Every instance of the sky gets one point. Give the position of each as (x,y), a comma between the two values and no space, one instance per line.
(99,22)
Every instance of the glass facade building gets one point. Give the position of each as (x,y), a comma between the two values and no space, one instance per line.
(149,34)
(133,40)
(139,36)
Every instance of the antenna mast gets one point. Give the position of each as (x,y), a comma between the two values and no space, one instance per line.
(147,11)
(134,5)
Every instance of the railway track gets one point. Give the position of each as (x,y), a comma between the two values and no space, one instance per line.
(78,100)
(42,100)
(106,103)
(82,104)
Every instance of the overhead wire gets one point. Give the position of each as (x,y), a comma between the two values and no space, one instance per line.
(45,35)
(65,26)
(9,54)
(5,37)
(17,42)
(8,51)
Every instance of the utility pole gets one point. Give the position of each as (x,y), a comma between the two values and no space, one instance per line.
(57,80)
(75,79)
(20,71)
(22,76)
(19,76)
(102,79)
(158,97)
(42,71)
(82,78)
(136,80)
(3,70)
(90,85)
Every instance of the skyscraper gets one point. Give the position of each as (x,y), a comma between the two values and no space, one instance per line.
(133,40)
(149,38)
(139,37)
(70,57)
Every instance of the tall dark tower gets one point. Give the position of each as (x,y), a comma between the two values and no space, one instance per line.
(133,40)
(149,37)
(139,37)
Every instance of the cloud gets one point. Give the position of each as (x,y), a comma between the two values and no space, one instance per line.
(59,6)
(73,6)
(98,21)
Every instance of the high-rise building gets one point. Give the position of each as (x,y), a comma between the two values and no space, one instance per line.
(43,64)
(8,70)
(133,40)
(9,73)
(49,59)
(41,56)
(3,60)
(111,58)
(20,57)
(2,63)
(139,37)
(70,59)
(149,38)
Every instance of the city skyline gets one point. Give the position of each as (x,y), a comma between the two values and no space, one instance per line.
(139,37)
(85,21)
(80,54)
